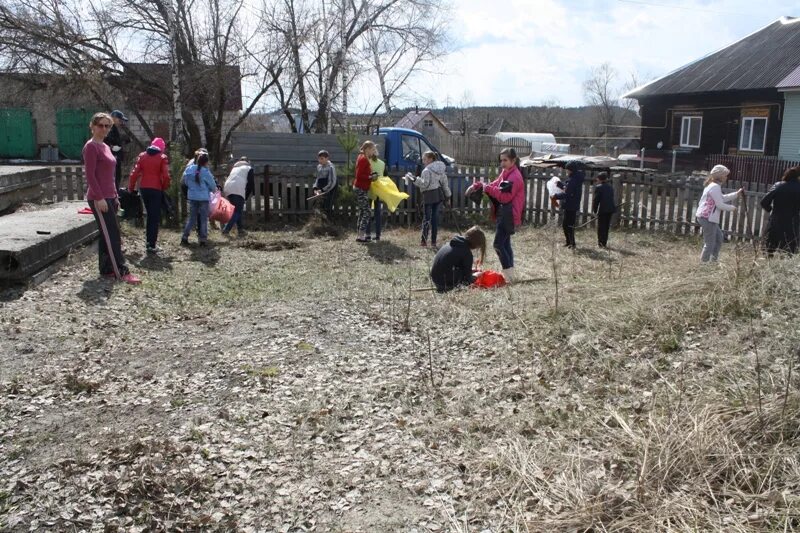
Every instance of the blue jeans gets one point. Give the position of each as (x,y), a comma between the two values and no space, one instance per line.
(502,245)
(378,211)
(198,212)
(152,204)
(431,222)
(238,208)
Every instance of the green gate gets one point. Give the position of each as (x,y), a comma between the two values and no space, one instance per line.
(72,128)
(17,138)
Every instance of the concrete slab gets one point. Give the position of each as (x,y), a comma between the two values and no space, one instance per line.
(20,184)
(32,240)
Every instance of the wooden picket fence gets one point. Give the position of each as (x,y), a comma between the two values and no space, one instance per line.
(648,202)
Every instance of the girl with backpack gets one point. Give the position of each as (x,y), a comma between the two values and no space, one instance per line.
(711,205)
(433,184)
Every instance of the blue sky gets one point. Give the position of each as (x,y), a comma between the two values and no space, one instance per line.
(525,52)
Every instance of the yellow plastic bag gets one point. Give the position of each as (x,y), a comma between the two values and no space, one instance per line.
(385,189)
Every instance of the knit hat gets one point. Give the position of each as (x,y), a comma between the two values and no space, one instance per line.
(159,144)
(719,171)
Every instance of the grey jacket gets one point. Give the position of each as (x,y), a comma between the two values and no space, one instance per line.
(326,178)
(434,176)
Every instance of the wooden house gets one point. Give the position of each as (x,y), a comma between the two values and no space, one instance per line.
(729,102)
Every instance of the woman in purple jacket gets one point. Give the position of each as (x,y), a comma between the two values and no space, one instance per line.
(99,167)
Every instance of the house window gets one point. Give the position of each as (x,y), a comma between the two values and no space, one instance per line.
(754,134)
(428,123)
(690,131)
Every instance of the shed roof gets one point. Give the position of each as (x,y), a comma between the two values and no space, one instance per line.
(761,60)
(413,118)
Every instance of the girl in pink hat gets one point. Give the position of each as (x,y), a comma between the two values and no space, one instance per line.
(151,172)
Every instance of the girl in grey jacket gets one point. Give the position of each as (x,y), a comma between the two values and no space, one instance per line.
(433,184)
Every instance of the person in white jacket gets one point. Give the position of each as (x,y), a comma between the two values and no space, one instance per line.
(238,187)
(711,205)
(435,188)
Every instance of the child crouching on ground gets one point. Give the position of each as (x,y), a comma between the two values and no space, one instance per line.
(452,265)
(199,184)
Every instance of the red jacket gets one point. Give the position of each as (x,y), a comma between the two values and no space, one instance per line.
(363,170)
(153,169)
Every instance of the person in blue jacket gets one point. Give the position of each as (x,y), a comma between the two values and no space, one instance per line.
(200,184)
(571,201)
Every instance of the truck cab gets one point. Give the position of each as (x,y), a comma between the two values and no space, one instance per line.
(403,148)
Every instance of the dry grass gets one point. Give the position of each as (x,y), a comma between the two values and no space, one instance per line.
(642,393)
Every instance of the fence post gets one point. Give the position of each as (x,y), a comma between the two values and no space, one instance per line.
(641,160)
(616,182)
(674,158)
(266,195)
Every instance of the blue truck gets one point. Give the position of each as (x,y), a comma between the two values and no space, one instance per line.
(401,148)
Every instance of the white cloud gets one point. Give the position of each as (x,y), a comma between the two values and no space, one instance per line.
(525,52)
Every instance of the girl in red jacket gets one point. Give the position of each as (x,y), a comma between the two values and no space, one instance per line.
(152,168)
(363,180)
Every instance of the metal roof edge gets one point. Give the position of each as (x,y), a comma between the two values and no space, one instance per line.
(783,20)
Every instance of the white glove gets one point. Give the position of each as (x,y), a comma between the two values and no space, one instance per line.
(116,148)
(409,177)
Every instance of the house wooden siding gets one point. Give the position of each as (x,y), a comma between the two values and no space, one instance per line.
(722,114)
(790,135)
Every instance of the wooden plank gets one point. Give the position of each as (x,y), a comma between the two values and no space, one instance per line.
(656,193)
(664,190)
(584,213)
(628,204)
(673,195)
(637,207)
(60,180)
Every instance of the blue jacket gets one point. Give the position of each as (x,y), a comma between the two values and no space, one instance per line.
(199,192)
(571,197)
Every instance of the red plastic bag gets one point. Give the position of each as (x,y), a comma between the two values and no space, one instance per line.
(221,208)
(489,279)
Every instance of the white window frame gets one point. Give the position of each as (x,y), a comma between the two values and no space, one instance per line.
(749,147)
(688,131)
(428,123)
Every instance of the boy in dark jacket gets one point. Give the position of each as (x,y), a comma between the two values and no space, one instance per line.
(571,201)
(603,206)
(452,265)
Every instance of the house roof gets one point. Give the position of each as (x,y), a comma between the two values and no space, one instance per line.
(792,81)
(761,60)
(413,118)
(194,85)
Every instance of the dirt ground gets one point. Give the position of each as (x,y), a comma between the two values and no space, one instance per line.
(283,382)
